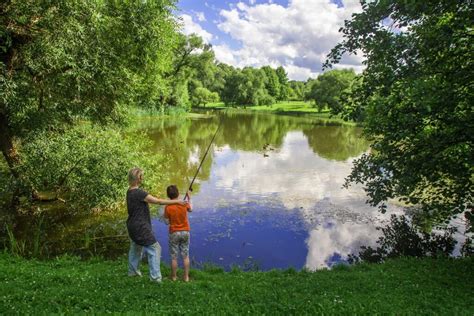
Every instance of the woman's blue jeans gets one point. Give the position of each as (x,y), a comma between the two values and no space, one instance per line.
(153,253)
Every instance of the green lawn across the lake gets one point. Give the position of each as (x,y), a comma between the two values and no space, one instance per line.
(280,107)
(284,107)
(402,286)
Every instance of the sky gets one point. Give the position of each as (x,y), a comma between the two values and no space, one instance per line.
(295,34)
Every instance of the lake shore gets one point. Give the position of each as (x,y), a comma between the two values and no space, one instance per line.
(296,108)
(290,108)
(401,286)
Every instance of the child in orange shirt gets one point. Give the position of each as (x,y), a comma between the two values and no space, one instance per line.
(177,216)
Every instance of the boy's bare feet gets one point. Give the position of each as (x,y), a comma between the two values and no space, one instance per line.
(173,278)
(186,279)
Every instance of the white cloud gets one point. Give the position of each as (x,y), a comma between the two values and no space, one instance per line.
(224,54)
(304,185)
(340,238)
(194,157)
(299,73)
(191,27)
(252,2)
(200,16)
(339,220)
(298,36)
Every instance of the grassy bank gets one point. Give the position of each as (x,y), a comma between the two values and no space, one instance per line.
(285,108)
(295,108)
(280,107)
(403,286)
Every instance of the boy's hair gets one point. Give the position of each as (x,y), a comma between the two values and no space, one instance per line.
(172,191)
(134,176)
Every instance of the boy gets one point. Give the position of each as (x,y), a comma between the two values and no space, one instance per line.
(139,227)
(177,215)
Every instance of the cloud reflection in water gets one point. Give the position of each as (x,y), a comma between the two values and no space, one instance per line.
(336,221)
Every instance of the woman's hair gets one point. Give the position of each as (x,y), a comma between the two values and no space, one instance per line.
(135,176)
(172,191)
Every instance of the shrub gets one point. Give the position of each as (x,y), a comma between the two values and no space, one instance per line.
(400,238)
(87,165)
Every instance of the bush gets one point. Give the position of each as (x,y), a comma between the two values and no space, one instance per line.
(401,238)
(202,96)
(86,165)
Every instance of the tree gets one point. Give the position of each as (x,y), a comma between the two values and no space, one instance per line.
(85,165)
(246,87)
(329,88)
(223,71)
(230,93)
(202,96)
(297,88)
(273,82)
(416,95)
(283,79)
(192,67)
(401,238)
(63,61)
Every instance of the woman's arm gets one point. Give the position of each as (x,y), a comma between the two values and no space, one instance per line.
(153,200)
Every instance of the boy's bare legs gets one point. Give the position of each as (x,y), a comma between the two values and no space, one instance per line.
(174,268)
(186,268)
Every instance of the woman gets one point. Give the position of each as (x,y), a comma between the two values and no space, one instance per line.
(139,226)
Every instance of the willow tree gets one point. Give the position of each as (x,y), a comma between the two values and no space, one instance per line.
(62,61)
(193,68)
(329,88)
(416,94)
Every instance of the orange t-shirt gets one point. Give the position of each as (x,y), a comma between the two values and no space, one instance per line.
(178,217)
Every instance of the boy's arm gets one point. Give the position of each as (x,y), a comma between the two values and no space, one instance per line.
(187,198)
(153,200)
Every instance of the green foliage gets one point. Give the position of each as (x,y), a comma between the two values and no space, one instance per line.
(297,90)
(272,83)
(401,238)
(467,248)
(202,96)
(81,58)
(180,95)
(87,166)
(193,69)
(29,248)
(246,87)
(402,286)
(329,88)
(222,72)
(65,61)
(416,97)
(283,79)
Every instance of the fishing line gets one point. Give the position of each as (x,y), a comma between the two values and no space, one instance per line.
(204,157)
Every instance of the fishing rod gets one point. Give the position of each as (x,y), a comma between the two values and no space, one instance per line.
(204,157)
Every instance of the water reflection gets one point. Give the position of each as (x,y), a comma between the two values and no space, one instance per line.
(269,195)
(271,192)
(186,140)
(331,242)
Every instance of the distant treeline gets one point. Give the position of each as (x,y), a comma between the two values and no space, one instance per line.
(198,78)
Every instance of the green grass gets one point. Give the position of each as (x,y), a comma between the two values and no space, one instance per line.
(280,107)
(290,106)
(286,108)
(402,286)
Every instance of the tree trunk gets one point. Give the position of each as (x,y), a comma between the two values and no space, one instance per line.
(11,156)
(6,145)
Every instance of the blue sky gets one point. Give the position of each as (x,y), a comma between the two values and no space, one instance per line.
(295,34)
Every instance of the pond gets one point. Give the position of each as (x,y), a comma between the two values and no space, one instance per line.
(270,192)
(269,195)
